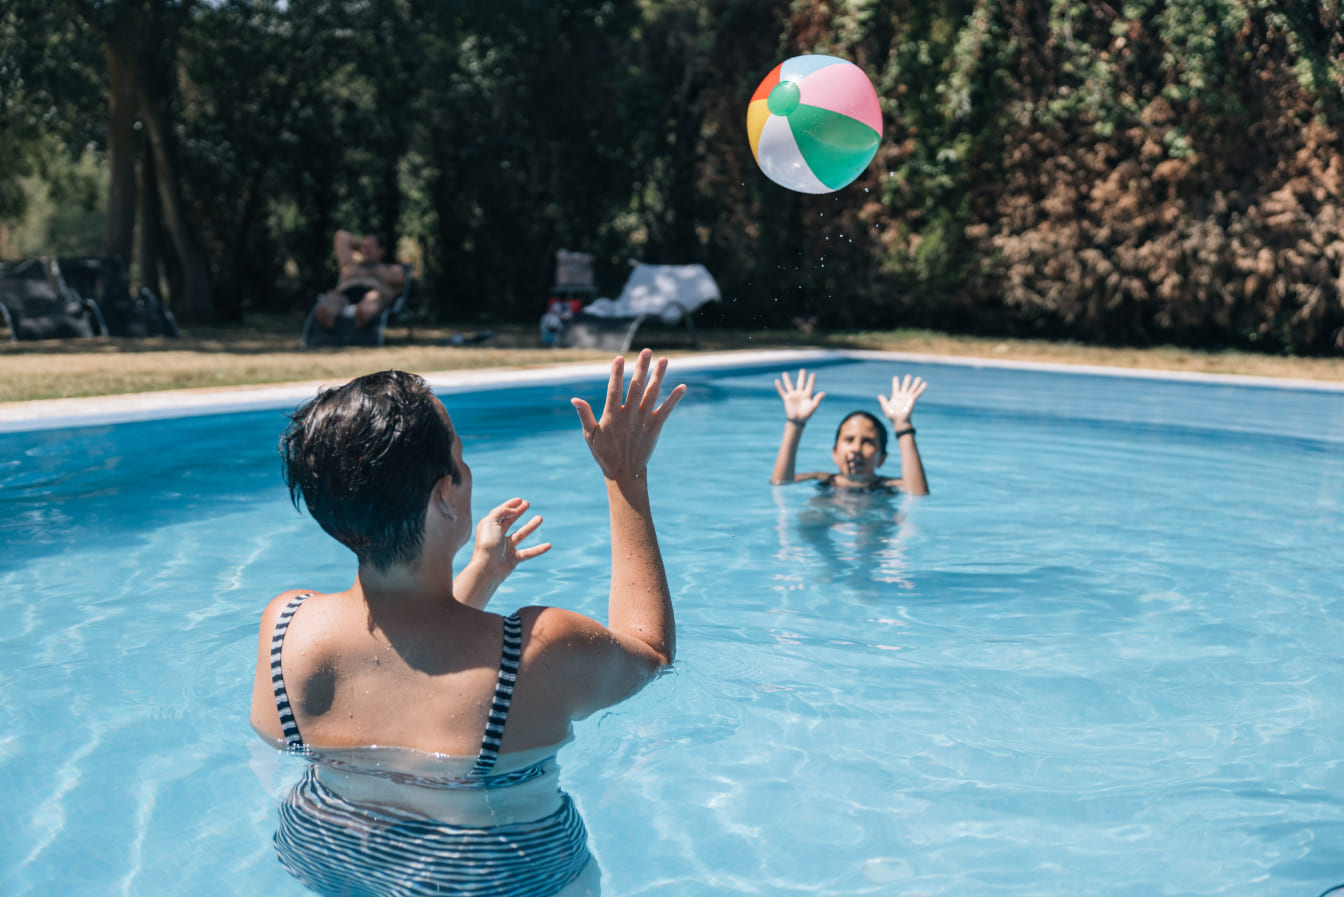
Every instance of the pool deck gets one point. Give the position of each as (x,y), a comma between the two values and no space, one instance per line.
(46,414)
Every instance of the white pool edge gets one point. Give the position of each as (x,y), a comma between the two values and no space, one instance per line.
(50,414)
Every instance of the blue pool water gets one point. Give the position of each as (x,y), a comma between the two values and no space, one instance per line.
(1103,657)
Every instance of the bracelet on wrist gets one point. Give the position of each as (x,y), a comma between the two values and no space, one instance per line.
(910,431)
(800,421)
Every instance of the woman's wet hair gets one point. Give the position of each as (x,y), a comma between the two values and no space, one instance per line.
(365,458)
(872,419)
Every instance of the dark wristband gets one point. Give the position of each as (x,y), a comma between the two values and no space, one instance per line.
(801,421)
(907,431)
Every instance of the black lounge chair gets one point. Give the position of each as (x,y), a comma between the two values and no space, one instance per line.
(104,280)
(345,333)
(36,303)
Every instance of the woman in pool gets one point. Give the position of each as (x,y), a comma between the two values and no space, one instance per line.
(433,724)
(860,441)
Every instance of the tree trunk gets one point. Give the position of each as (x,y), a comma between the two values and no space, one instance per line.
(150,231)
(121,143)
(194,304)
(233,269)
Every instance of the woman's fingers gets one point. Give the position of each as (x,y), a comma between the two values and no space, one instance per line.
(614,386)
(671,401)
(526,529)
(638,377)
(586,418)
(527,554)
(650,398)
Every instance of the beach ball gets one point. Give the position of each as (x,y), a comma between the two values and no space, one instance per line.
(814,123)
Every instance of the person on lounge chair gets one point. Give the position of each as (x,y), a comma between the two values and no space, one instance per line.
(366,282)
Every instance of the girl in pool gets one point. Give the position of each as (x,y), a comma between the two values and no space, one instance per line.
(432,724)
(860,441)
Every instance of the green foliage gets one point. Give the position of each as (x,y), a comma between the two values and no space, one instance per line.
(1127,171)
(50,98)
(63,206)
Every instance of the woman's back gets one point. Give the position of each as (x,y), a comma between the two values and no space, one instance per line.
(423,678)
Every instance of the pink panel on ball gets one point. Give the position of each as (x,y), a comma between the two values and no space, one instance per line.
(843,88)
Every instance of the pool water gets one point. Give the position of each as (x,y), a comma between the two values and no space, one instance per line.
(1102,657)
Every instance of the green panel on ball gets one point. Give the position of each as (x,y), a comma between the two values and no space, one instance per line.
(836,147)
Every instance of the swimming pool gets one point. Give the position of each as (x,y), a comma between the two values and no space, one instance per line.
(1102,657)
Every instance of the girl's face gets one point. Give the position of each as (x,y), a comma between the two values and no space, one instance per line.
(857,451)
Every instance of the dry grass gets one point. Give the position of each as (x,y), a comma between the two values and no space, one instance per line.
(266,351)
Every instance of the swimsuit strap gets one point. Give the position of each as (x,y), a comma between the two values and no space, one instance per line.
(288,726)
(499,709)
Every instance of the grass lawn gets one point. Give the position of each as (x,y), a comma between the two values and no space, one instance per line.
(266,351)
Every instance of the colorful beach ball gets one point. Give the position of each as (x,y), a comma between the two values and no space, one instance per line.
(814,123)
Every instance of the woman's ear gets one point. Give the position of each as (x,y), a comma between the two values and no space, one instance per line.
(441,499)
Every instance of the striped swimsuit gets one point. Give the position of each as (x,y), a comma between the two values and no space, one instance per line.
(336,846)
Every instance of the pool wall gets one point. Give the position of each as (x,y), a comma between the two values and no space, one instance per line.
(48,414)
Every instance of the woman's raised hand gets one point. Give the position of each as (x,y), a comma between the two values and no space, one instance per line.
(623,440)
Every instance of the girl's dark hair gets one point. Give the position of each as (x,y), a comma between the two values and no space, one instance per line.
(365,457)
(872,419)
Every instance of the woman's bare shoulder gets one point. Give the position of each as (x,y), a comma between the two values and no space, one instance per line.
(277,605)
(555,625)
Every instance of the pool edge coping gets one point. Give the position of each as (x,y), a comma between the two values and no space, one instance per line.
(50,414)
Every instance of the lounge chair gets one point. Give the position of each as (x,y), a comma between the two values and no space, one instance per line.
(668,294)
(345,333)
(104,280)
(36,303)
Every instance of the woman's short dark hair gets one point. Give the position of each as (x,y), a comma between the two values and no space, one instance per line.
(872,419)
(365,457)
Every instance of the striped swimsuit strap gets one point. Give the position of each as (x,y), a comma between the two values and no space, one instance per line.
(288,726)
(499,708)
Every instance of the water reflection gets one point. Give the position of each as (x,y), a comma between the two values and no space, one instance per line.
(855,537)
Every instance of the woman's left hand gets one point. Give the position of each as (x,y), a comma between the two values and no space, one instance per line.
(498,549)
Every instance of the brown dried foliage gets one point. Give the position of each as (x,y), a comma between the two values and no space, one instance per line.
(1239,240)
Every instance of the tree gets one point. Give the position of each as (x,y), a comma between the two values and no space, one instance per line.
(139,42)
(49,94)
